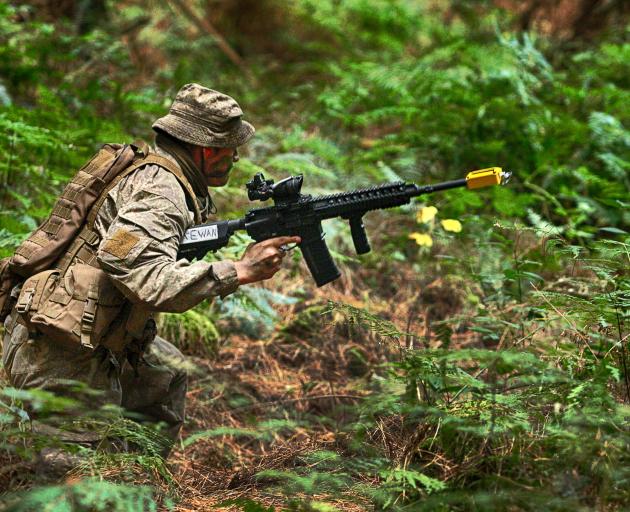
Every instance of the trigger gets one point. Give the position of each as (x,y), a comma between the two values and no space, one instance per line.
(287,248)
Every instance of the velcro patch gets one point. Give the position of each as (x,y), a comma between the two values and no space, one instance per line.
(121,243)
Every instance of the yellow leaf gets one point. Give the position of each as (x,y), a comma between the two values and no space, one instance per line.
(422,239)
(452,225)
(427,214)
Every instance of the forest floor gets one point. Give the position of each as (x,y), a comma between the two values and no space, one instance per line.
(310,369)
(311,372)
(262,406)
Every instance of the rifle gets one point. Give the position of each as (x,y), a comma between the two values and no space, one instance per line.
(297,214)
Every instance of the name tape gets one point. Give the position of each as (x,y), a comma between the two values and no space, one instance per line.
(201,234)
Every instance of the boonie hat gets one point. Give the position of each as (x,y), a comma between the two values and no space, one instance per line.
(205,118)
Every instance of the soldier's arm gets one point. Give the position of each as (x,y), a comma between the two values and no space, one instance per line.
(140,248)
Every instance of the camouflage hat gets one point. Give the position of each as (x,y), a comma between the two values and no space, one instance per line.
(206,118)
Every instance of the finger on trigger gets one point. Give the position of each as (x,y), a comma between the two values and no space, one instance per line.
(284,240)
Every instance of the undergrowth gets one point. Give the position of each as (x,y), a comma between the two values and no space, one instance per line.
(508,422)
(476,360)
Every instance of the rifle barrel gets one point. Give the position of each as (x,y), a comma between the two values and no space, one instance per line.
(427,189)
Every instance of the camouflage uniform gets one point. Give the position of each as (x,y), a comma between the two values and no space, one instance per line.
(148,209)
(151,205)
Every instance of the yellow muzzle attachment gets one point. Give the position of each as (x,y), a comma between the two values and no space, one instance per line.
(487,177)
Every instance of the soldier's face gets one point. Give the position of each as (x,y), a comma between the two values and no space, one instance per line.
(215,164)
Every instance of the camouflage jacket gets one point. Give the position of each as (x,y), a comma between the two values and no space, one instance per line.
(141,224)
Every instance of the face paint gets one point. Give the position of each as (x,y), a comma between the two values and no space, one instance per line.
(207,153)
(216,164)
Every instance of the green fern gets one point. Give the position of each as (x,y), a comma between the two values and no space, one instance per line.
(84,496)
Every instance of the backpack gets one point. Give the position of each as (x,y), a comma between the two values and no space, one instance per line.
(53,279)
(44,245)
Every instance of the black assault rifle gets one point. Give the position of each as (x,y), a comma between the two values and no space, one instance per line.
(296,214)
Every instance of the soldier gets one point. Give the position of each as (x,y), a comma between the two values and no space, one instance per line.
(139,226)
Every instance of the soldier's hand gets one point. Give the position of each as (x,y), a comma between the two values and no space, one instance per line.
(262,260)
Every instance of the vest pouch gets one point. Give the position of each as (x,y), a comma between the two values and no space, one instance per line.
(34,292)
(80,309)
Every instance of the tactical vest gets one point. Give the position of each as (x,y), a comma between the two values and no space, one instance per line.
(66,296)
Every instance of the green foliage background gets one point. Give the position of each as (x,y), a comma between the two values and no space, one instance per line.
(357,92)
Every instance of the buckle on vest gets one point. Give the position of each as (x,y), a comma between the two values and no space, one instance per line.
(89,315)
(90,237)
(24,304)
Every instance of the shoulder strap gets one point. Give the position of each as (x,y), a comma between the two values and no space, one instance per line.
(151,159)
(177,172)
